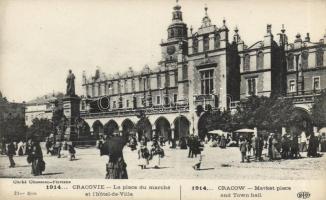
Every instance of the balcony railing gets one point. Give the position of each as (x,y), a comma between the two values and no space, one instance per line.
(132,112)
(303,96)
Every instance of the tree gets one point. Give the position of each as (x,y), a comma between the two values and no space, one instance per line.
(13,129)
(215,120)
(265,113)
(41,128)
(318,110)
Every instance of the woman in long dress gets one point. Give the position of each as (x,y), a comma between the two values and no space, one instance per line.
(143,156)
(38,164)
(156,154)
(116,168)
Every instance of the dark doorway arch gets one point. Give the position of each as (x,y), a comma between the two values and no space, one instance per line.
(202,125)
(82,129)
(301,121)
(181,127)
(144,128)
(127,127)
(97,129)
(110,127)
(163,127)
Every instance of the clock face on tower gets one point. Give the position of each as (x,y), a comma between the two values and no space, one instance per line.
(170,50)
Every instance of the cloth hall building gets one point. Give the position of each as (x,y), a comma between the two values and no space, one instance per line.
(208,67)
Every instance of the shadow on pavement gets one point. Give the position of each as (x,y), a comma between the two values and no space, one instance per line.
(53,173)
(205,169)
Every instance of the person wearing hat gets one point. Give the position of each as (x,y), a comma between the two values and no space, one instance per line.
(143,155)
(156,154)
(243,148)
(38,165)
(270,146)
(11,151)
(190,144)
(116,168)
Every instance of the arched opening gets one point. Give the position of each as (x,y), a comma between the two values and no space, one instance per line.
(82,129)
(181,127)
(97,129)
(144,128)
(111,127)
(127,127)
(163,127)
(202,126)
(300,122)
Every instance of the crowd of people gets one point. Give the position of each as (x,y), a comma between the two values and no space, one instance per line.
(31,149)
(151,151)
(278,147)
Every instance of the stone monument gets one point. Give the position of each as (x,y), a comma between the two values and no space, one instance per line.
(71,109)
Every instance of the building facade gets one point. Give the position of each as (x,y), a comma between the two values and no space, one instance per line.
(204,68)
(41,108)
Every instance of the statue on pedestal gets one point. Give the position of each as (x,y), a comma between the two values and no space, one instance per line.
(70,84)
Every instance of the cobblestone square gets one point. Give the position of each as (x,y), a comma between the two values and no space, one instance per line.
(217,164)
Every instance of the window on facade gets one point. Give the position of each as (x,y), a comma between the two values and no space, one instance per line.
(292,85)
(319,57)
(304,60)
(195,45)
(105,89)
(252,90)
(99,90)
(316,83)
(158,100)
(159,81)
(290,62)
(175,98)
(142,101)
(217,41)
(206,43)
(167,80)
(185,72)
(109,89)
(207,81)
(114,104)
(260,60)
(246,63)
(86,88)
(83,105)
(171,33)
(132,85)
(127,103)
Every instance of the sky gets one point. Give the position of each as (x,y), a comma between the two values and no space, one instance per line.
(40,40)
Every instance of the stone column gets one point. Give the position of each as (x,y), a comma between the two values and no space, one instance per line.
(71,109)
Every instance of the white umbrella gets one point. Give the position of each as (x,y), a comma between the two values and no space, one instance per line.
(245,130)
(217,132)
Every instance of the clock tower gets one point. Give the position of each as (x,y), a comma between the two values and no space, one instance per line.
(176,42)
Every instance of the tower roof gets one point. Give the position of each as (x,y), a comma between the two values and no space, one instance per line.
(206,21)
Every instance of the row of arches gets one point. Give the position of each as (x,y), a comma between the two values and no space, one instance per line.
(161,127)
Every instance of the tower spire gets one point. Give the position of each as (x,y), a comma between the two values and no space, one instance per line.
(206,20)
(206,10)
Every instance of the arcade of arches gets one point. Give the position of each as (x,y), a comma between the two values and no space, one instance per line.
(161,127)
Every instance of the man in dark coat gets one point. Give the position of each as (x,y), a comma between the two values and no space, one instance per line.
(259,147)
(190,144)
(11,151)
(313,146)
(116,168)
(38,165)
(285,146)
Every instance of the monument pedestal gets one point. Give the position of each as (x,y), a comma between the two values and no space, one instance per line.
(71,110)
